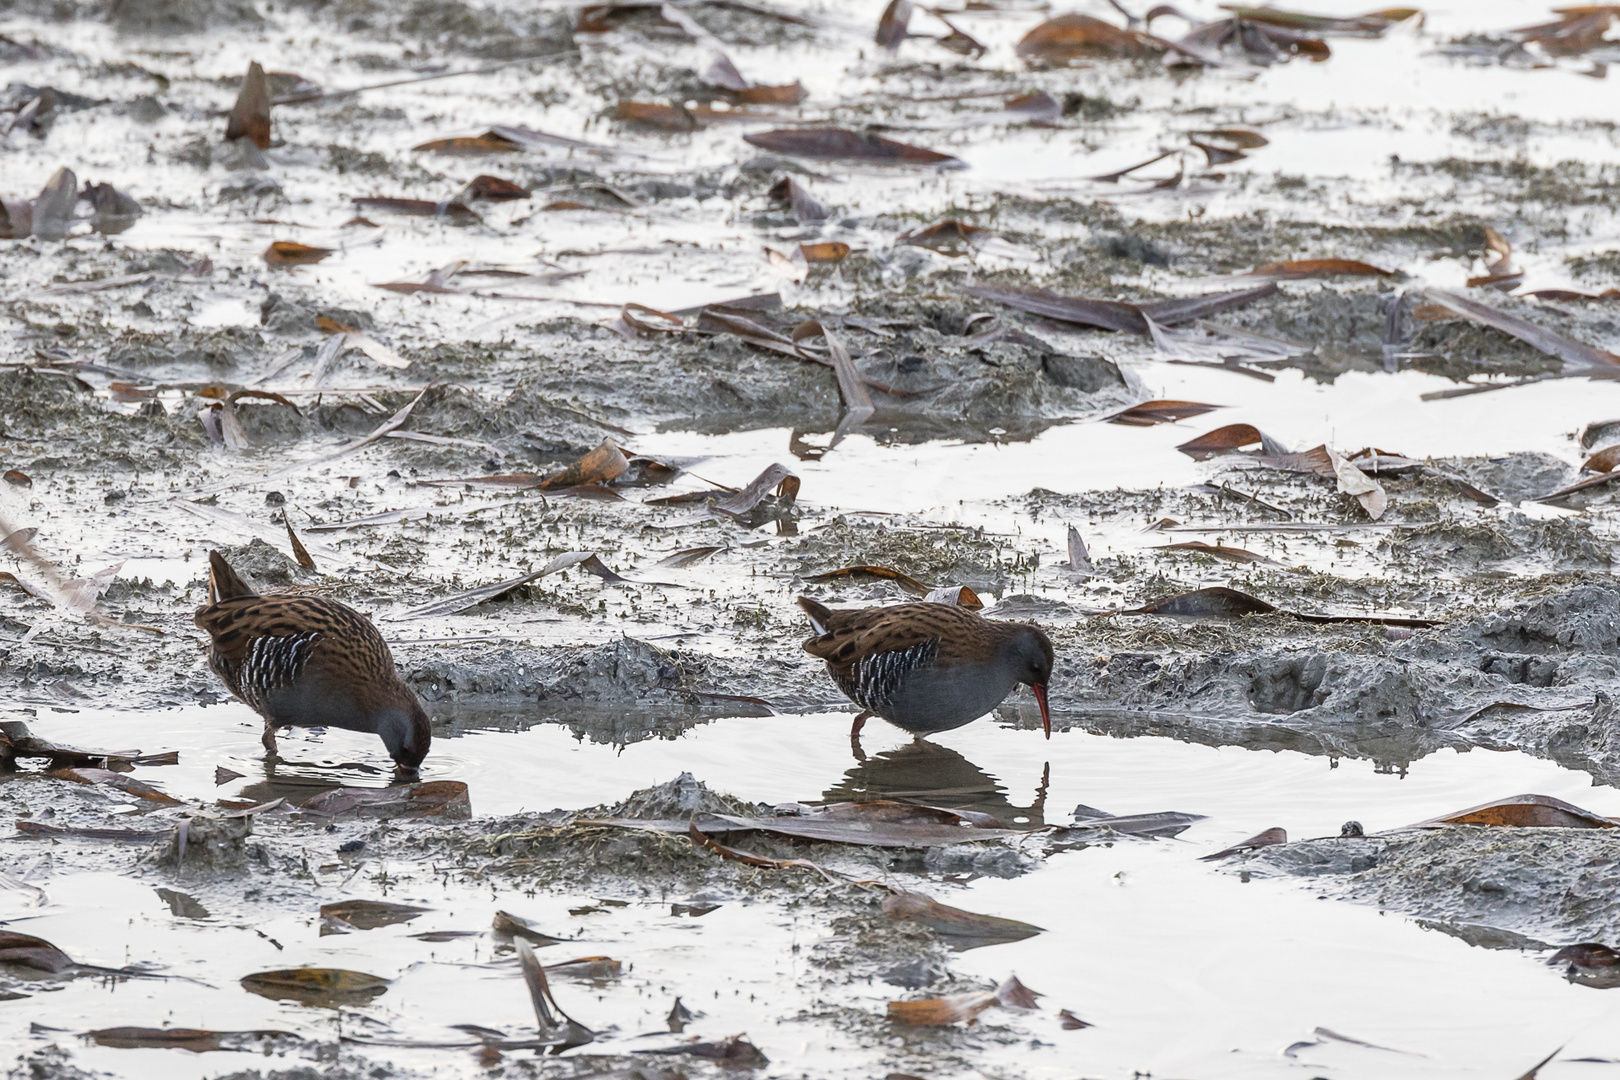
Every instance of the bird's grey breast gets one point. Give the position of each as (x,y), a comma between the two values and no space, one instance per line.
(946,696)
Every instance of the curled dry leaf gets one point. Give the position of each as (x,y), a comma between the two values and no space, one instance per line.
(1254,843)
(24,950)
(1079,557)
(1080,37)
(905,581)
(250,115)
(936,1012)
(195,1040)
(292,253)
(300,553)
(18,478)
(599,466)
(776,478)
(1604,460)
(825,251)
(1160,411)
(1366,491)
(1373,24)
(960,595)
(1221,441)
(840,144)
(516,926)
(892,24)
(1579,356)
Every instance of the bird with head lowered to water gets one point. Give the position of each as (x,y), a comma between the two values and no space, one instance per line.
(306,661)
(928,667)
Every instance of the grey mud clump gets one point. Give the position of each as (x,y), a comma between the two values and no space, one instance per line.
(1551,886)
(681,797)
(209,844)
(262,566)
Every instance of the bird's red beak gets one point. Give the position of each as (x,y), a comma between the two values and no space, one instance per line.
(1046,715)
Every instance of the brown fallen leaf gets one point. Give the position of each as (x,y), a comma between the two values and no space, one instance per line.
(24,950)
(892,24)
(840,144)
(1222,440)
(881,823)
(300,553)
(127,784)
(657,115)
(825,251)
(937,1012)
(777,481)
(1578,356)
(602,464)
(733,1053)
(1117,315)
(328,987)
(1317,268)
(196,1040)
(1254,843)
(1230,554)
(1604,460)
(453,211)
(515,926)
(370,914)
(1221,602)
(1071,1022)
(1525,812)
(1160,411)
(1038,107)
(250,115)
(1080,37)
(963,929)
(292,253)
(1373,24)
(488,188)
(18,478)
(905,581)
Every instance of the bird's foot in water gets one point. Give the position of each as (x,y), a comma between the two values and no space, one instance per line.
(269,741)
(855,736)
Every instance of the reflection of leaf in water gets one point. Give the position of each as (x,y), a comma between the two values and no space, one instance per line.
(329,987)
(196,1040)
(518,927)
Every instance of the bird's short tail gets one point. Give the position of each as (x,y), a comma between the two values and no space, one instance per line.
(223,582)
(820,615)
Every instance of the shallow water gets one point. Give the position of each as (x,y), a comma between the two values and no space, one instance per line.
(1185,969)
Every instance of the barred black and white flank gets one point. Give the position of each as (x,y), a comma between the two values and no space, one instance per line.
(928,667)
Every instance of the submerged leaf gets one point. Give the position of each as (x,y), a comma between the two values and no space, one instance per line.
(1316,268)
(24,950)
(370,914)
(905,581)
(329,987)
(433,798)
(1081,37)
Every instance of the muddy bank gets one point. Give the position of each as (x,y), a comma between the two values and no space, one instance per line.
(1499,888)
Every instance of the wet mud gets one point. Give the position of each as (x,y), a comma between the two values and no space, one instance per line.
(177,387)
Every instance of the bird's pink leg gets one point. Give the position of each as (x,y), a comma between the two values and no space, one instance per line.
(269,741)
(855,736)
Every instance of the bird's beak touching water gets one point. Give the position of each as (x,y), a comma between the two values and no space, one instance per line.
(1040,699)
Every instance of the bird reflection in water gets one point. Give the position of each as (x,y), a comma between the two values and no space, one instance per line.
(929,774)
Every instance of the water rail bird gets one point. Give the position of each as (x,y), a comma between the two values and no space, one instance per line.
(928,667)
(306,661)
